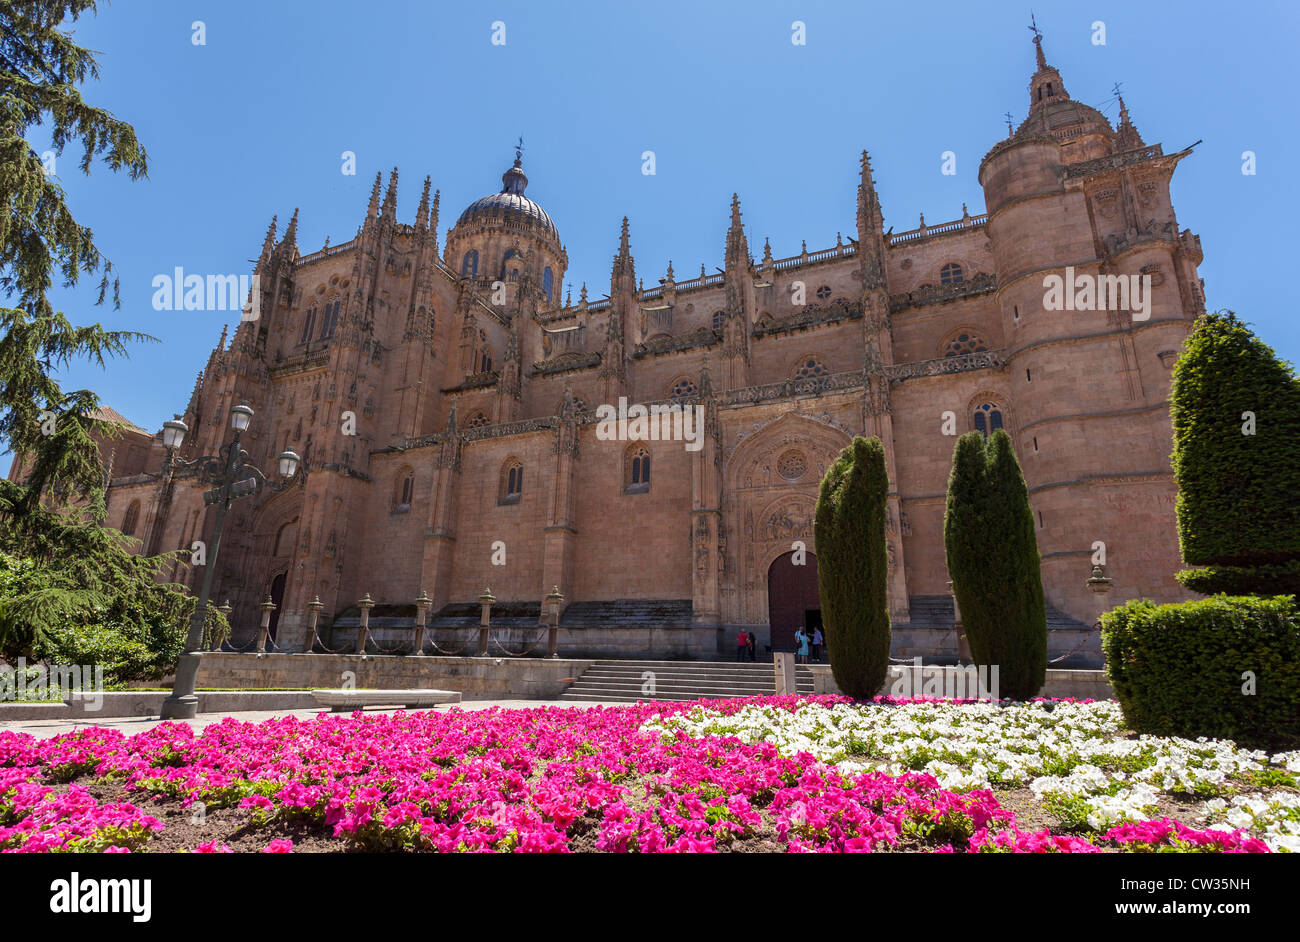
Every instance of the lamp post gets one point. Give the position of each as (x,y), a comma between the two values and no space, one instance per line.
(223,470)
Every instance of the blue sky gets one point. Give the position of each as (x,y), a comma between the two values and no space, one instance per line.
(254,123)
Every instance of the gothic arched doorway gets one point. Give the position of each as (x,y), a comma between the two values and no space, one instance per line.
(277,596)
(792,598)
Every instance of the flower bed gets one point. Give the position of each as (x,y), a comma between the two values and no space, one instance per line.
(762,774)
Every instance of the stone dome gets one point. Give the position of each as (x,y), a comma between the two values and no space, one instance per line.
(510,204)
(1056,116)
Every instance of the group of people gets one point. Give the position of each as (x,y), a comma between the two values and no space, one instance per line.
(747,645)
(803,641)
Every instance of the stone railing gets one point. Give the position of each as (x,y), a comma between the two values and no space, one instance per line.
(477,381)
(299,364)
(510,428)
(944,228)
(811,316)
(324,253)
(575,360)
(985,360)
(700,337)
(831,382)
(934,294)
(1112,161)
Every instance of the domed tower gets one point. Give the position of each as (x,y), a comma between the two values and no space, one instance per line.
(495,236)
(1075,203)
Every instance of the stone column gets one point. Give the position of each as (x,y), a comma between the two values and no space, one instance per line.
(485,600)
(421,615)
(267,608)
(315,605)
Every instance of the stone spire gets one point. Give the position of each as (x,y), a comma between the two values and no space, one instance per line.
(269,242)
(291,233)
(871,225)
(624,267)
(433,212)
(389,210)
(1126,135)
(737,246)
(1045,87)
(422,213)
(373,210)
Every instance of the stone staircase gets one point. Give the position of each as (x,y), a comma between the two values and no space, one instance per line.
(630,681)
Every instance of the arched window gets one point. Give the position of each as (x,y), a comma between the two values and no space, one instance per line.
(988,418)
(951,274)
(469,264)
(331,318)
(548,283)
(512,481)
(478,420)
(403,490)
(809,368)
(636,474)
(514,274)
(684,388)
(307,323)
(484,362)
(131,519)
(963,343)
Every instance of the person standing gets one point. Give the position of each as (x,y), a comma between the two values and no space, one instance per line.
(742,645)
(817,645)
(753,646)
(801,646)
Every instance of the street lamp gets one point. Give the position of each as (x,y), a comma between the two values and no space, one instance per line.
(234,478)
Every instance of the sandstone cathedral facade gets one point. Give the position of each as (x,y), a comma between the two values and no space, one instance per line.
(473,459)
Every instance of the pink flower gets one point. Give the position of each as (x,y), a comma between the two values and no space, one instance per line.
(279,846)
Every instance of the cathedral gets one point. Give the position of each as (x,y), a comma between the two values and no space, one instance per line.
(444,399)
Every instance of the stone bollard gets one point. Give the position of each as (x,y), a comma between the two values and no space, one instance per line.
(366,604)
(486,600)
(554,600)
(315,605)
(783,663)
(226,609)
(267,608)
(421,615)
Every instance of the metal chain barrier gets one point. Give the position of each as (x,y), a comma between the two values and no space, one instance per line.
(441,650)
(317,640)
(526,651)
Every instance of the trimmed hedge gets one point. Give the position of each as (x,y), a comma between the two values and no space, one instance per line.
(993,561)
(853,566)
(1178,669)
(1237,492)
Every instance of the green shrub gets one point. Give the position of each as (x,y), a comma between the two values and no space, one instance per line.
(1237,492)
(988,532)
(1181,670)
(852,567)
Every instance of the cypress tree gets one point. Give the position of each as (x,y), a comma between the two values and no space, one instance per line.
(1235,408)
(852,567)
(993,562)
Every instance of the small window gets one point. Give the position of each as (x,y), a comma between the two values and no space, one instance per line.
(810,369)
(964,343)
(512,482)
(469,264)
(637,474)
(823,292)
(951,274)
(484,362)
(131,519)
(719,319)
(988,418)
(478,420)
(548,283)
(308,322)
